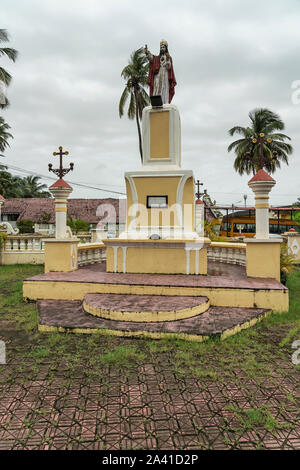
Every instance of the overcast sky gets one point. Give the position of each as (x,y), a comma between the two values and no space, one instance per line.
(229,56)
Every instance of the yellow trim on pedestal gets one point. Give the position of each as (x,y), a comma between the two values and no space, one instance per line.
(159,135)
(261,206)
(60,209)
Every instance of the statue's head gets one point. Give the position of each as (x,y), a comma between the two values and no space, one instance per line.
(163,47)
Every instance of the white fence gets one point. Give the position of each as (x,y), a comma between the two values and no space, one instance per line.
(91,253)
(23,249)
(231,253)
(19,249)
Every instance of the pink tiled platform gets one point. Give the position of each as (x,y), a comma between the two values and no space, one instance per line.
(142,303)
(220,275)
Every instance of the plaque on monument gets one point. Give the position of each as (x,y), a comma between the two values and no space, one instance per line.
(157,202)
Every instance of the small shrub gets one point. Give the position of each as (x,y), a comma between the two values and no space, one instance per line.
(26,226)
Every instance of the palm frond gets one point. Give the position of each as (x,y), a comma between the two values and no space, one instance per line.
(12,54)
(123,100)
(131,107)
(4,37)
(5,77)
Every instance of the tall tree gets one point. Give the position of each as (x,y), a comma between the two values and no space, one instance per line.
(5,77)
(31,187)
(10,186)
(4,135)
(14,186)
(135,74)
(260,145)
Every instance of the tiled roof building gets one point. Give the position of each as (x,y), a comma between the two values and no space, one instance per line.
(34,208)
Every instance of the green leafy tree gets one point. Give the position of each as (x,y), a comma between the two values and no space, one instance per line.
(26,226)
(77,225)
(5,76)
(135,74)
(44,218)
(10,186)
(287,263)
(275,148)
(15,186)
(297,203)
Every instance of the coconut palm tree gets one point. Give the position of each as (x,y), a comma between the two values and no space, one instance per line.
(4,135)
(135,74)
(260,145)
(31,187)
(5,76)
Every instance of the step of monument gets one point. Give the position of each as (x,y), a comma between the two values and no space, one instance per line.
(69,316)
(144,308)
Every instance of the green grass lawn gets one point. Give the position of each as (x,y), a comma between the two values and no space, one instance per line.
(253,352)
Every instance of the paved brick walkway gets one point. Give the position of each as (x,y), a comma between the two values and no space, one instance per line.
(151,409)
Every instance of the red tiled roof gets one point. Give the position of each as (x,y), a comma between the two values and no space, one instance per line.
(34,208)
(60,184)
(261,175)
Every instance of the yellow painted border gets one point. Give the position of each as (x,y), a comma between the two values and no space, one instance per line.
(129,334)
(171,315)
(275,299)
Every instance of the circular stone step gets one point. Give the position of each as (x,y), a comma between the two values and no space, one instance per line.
(144,308)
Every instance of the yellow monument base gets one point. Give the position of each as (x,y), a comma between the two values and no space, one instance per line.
(263,258)
(61,255)
(156,256)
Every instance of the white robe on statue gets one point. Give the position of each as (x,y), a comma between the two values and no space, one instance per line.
(161,80)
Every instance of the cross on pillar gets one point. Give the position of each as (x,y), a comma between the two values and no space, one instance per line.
(60,172)
(198,184)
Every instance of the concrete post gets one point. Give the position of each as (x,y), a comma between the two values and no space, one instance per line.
(262,253)
(61,251)
(261,184)
(199,217)
(61,191)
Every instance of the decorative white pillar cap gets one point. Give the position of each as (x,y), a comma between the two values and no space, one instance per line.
(60,189)
(261,181)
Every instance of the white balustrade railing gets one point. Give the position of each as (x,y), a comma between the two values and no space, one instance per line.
(90,253)
(231,253)
(24,243)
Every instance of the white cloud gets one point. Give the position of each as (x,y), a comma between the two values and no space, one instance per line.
(229,57)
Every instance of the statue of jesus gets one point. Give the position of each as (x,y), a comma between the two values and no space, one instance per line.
(161,78)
